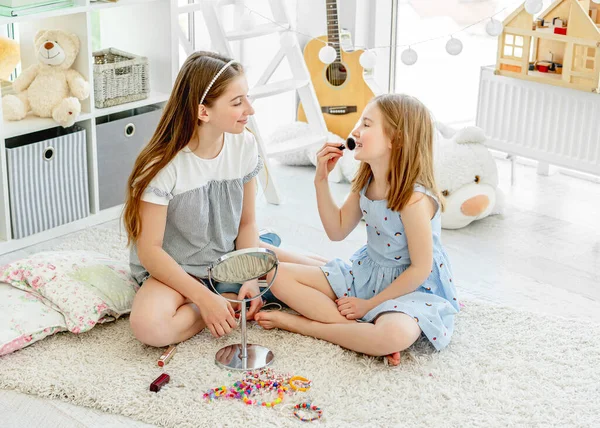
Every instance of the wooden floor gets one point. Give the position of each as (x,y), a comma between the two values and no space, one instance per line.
(542,255)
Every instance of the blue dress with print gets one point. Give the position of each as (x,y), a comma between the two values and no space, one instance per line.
(376,265)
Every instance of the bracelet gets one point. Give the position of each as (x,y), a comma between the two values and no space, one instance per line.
(307,406)
(306,384)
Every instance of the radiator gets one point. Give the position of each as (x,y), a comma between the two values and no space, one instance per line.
(543,122)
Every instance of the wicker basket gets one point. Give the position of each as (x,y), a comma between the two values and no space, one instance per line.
(119,78)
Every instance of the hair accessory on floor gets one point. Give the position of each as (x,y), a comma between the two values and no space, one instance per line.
(307,407)
(305,383)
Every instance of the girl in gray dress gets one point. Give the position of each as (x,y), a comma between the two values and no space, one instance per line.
(191,199)
(399,285)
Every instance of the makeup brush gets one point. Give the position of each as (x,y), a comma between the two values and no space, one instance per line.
(350,144)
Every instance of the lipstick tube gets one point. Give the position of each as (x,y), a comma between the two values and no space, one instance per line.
(159,382)
(166,356)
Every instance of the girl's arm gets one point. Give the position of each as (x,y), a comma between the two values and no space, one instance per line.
(248,238)
(416,217)
(215,311)
(248,231)
(156,260)
(338,223)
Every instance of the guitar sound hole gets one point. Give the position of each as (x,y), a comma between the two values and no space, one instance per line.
(336,74)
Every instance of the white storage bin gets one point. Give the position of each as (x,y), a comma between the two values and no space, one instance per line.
(47,179)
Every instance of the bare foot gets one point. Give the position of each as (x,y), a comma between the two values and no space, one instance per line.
(281,320)
(393,359)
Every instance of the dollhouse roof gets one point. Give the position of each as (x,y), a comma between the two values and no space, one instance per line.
(518,17)
(550,9)
(510,18)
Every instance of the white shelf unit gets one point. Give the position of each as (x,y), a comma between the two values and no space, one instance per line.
(142,27)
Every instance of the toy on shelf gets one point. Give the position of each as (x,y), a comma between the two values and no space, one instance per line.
(50,88)
(561,47)
(9,57)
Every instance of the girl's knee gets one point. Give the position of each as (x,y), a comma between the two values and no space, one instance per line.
(150,330)
(391,337)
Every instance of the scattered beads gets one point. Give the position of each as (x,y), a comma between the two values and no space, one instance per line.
(259,382)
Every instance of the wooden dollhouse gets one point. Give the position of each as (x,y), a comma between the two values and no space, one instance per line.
(561,47)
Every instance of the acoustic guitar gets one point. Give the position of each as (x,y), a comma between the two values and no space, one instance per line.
(340,86)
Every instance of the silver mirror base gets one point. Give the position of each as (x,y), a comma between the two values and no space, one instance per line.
(230,357)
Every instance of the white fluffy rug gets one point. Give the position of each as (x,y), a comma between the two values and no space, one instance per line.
(503,368)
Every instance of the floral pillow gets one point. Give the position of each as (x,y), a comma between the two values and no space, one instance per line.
(25,319)
(87,288)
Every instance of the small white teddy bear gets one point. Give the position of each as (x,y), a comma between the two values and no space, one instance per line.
(466,175)
(50,88)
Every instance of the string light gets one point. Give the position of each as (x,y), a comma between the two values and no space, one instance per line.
(327,54)
(533,6)
(368,59)
(494,27)
(409,56)
(454,46)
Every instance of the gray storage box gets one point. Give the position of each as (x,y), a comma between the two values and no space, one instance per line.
(121,137)
(47,179)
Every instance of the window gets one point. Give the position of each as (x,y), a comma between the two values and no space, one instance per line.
(513,46)
(448,85)
(585,58)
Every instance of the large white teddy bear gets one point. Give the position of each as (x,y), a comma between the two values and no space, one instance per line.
(49,88)
(466,175)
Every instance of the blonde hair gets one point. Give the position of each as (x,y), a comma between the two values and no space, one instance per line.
(409,126)
(176,127)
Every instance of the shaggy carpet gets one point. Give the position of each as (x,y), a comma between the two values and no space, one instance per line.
(503,368)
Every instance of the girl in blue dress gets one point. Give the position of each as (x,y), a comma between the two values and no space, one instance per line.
(399,285)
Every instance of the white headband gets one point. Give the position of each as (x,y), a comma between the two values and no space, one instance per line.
(212,82)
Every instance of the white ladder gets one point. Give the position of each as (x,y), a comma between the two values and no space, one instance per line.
(290,49)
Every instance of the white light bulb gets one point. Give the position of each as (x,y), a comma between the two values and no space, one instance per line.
(533,6)
(367,60)
(596,1)
(327,54)
(409,56)
(494,28)
(454,46)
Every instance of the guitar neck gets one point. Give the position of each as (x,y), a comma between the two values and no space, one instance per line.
(333,28)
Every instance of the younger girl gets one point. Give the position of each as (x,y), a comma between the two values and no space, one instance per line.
(400,284)
(191,199)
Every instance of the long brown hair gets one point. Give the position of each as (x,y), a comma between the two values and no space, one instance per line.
(177,126)
(409,125)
